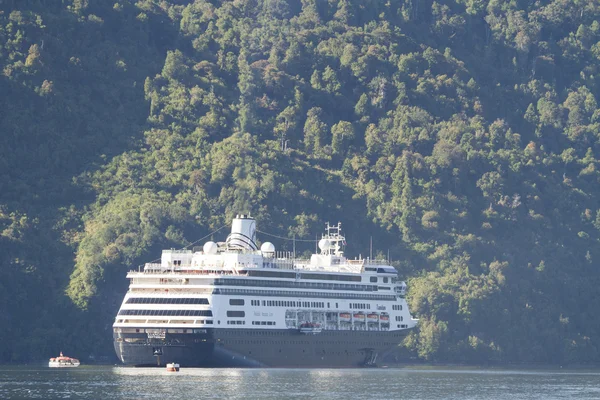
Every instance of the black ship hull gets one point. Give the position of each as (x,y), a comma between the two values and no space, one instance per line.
(256,348)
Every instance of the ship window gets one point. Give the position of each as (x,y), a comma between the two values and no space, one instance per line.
(236,314)
(236,302)
(373,279)
(385,279)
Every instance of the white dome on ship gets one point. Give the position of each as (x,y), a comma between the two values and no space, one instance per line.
(324,244)
(267,247)
(210,248)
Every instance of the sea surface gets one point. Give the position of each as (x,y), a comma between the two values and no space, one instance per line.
(105,382)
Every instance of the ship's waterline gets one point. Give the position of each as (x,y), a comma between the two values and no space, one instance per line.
(232,304)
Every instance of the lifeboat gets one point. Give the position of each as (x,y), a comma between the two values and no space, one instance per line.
(359,317)
(63,362)
(372,317)
(384,318)
(345,317)
(173,367)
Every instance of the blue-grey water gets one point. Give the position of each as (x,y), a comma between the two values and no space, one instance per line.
(104,382)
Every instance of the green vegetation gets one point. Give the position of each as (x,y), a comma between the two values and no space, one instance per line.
(463,135)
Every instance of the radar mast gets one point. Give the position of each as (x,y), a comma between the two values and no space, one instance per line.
(333,241)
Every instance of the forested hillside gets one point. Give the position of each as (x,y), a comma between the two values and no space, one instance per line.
(462,135)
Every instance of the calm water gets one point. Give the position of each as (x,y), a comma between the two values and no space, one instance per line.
(93,382)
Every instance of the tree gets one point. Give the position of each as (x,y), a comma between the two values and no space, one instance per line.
(314,132)
(341,134)
(175,67)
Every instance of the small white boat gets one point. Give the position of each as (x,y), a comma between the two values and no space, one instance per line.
(172,367)
(63,362)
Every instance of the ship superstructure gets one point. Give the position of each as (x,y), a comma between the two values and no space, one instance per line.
(234,304)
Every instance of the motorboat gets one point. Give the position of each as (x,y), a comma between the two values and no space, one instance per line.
(63,361)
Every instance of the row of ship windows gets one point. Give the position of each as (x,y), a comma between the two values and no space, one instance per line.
(157,331)
(156,321)
(236,322)
(166,300)
(263,322)
(313,304)
(302,275)
(182,313)
(360,306)
(397,307)
(240,302)
(374,279)
(283,293)
(399,318)
(295,284)
(289,303)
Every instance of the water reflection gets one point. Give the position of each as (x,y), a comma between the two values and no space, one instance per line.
(336,384)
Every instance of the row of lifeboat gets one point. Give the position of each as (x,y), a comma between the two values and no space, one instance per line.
(359,317)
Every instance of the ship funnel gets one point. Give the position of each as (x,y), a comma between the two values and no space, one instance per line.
(243,233)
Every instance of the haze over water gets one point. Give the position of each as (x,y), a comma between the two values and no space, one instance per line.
(105,382)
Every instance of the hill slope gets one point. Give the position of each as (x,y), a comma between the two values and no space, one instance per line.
(461,135)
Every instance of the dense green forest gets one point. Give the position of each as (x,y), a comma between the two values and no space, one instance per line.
(462,135)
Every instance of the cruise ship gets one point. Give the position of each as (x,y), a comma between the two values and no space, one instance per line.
(233,304)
